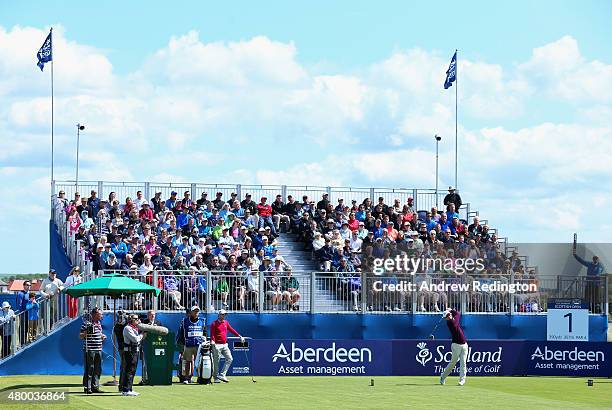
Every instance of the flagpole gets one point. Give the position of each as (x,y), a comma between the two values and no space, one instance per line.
(52,114)
(456,97)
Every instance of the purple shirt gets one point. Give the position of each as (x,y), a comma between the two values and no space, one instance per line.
(455,328)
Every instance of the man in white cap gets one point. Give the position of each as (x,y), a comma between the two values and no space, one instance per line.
(218,335)
(6,328)
(453,197)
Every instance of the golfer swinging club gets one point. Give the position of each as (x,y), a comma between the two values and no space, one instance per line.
(218,335)
(459,346)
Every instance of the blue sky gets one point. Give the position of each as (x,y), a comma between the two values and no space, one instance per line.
(275,92)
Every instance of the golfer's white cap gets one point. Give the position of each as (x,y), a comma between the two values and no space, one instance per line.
(195,307)
(223,312)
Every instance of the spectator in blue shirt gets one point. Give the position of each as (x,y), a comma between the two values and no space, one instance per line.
(171,202)
(444,223)
(591,292)
(450,211)
(203,227)
(94,204)
(183,218)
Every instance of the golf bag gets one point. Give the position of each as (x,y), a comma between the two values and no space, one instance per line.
(204,363)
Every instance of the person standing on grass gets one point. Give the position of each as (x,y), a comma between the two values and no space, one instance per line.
(132,338)
(91,333)
(191,333)
(218,335)
(459,346)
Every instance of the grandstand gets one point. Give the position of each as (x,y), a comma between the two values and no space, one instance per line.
(292,249)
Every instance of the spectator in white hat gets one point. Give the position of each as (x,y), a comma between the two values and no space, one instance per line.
(6,328)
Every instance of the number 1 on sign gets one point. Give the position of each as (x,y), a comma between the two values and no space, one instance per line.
(569,316)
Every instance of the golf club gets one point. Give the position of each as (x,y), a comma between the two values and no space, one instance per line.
(249,364)
(431,336)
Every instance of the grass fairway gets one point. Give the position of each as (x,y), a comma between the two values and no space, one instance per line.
(331,392)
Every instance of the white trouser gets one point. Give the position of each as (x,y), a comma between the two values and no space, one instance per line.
(222,350)
(460,353)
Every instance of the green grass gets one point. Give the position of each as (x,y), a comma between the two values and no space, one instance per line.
(331,392)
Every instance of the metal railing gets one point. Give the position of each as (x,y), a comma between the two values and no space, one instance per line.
(39,319)
(73,247)
(334,292)
(424,199)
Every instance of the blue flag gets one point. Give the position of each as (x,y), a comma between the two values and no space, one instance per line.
(45,54)
(451,73)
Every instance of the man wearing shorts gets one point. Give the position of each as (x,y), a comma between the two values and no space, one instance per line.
(191,333)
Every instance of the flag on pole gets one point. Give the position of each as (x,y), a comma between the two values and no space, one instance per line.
(45,54)
(451,73)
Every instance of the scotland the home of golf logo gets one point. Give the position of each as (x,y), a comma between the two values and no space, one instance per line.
(329,354)
(424,355)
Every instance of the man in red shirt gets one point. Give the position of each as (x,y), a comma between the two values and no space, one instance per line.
(264,210)
(218,335)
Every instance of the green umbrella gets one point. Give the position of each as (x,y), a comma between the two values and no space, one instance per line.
(113,285)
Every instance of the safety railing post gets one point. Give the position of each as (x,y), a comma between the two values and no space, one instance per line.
(463,295)
(193,192)
(239,191)
(312,291)
(15,332)
(47,321)
(415,296)
(100,192)
(260,307)
(372,196)
(606,308)
(284,192)
(364,292)
(511,297)
(147,191)
(155,297)
(208,291)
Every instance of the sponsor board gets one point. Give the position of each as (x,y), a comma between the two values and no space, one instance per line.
(428,358)
(568,359)
(321,357)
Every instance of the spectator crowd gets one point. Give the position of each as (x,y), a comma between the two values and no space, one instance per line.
(178,240)
(181,238)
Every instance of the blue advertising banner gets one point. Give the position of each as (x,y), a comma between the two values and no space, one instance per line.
(568,359)
(321,357)
(430,357)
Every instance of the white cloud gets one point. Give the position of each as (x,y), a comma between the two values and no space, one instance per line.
(560,69)
(249,112)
